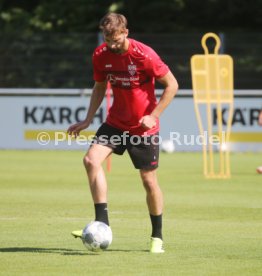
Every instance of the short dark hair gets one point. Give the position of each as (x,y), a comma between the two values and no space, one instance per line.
(113,23)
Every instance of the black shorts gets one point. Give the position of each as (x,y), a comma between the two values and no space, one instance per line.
(143,150)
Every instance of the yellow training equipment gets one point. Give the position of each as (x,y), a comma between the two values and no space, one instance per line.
(212,79)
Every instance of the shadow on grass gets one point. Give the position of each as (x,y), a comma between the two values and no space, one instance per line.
(125,250)
(61,251)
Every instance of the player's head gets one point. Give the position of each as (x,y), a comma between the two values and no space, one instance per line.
(114,28)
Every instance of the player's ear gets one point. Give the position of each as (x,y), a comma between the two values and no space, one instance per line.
(126,33)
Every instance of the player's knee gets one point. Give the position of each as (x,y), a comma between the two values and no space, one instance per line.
(89,162)
(150,184)
(86,161)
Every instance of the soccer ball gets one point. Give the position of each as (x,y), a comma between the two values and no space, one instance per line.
(168,146)
(97,236)
(259,170)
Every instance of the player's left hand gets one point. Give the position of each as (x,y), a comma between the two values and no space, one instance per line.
(148,121)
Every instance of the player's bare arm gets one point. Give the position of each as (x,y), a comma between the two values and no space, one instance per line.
(171,87)
(260,118)
(95,101)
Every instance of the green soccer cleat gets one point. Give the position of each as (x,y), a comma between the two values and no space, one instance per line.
(156,245)
(77,233)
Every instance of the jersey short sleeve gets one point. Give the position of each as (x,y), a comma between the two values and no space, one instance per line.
(155,67)
(98,74)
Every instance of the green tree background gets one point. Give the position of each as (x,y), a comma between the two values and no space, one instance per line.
(143,15)
(49,43)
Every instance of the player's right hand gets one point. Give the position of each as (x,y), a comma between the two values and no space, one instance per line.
(76,128)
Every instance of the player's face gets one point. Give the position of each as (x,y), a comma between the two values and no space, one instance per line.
(116,43)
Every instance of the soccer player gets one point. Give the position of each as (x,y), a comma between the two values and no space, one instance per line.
(131,67)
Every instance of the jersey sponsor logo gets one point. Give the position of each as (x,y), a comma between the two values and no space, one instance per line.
(108,65)
(131,69)
(124,81)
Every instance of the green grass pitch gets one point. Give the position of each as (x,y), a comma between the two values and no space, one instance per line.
(211,227)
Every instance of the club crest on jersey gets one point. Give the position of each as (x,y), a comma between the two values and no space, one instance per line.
(131,69)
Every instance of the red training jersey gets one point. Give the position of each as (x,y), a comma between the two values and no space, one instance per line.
(132,76)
